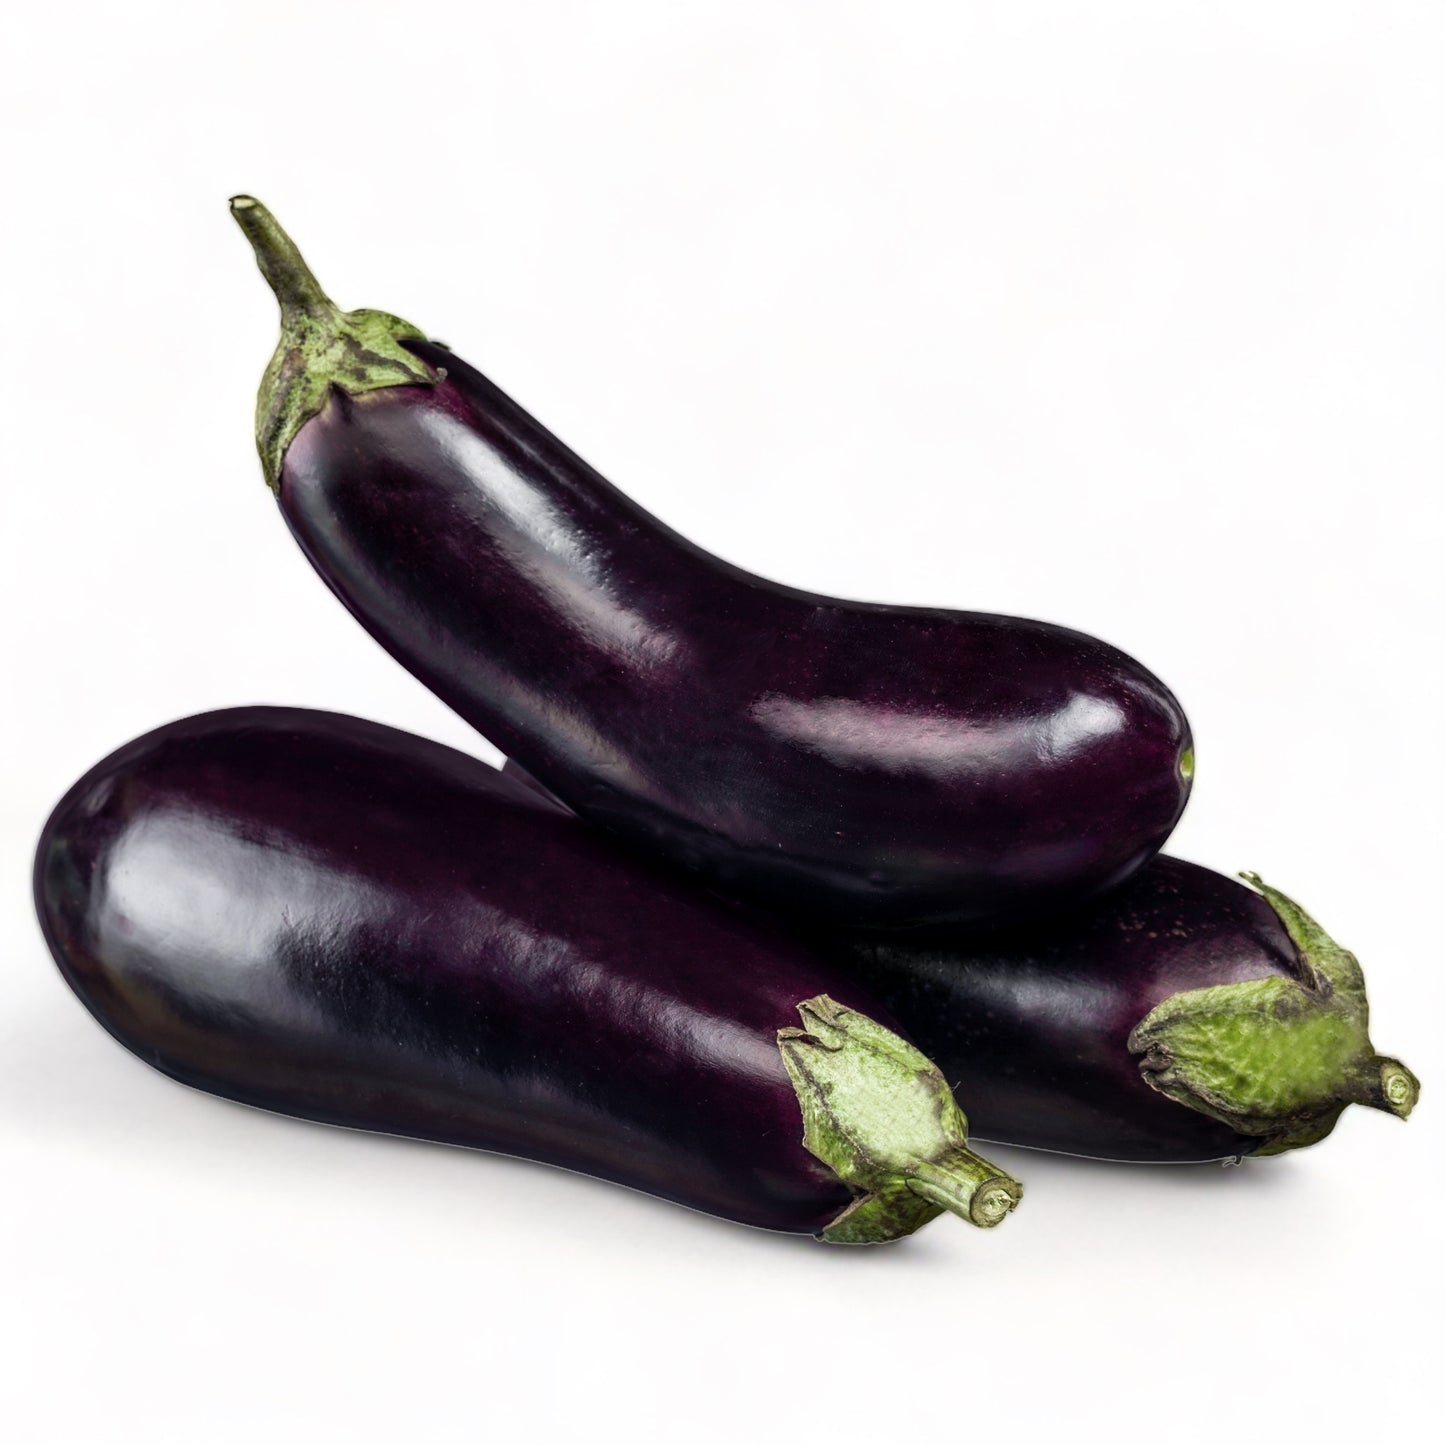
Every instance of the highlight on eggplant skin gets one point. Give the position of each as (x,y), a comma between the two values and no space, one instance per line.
(331,919)
(865,764)
(1184,1018)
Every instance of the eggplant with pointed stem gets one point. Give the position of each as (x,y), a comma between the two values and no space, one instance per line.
(866,764)
(1183,1018)
(335,920)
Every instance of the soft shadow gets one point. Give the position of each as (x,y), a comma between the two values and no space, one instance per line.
(1255,1175)
(65,1078)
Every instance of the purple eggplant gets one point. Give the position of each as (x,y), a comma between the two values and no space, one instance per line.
(1084,1035)
(331,919)
(1185,1017)
(873,765)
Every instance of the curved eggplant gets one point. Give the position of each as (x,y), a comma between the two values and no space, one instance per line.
(872,765)
(331,919)
(1185,1017)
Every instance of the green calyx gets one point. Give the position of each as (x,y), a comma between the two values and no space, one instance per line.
(1276,1058)
(884,1120)
(321,346)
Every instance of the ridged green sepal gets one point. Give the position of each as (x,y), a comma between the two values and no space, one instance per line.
(1275,1058)
(321,346)
(884,1120)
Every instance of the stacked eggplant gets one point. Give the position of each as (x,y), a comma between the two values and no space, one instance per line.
(770,878)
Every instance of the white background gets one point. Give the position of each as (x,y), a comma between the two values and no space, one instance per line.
(1126,315)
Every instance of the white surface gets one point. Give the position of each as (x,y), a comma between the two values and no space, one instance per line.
(1125,315)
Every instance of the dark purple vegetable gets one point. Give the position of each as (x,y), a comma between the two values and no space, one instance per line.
(1183,988)
(1084,1034)
(332,919)
(866,764)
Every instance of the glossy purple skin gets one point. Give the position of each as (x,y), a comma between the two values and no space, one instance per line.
(335,920)
(1031,1026)
(872,765)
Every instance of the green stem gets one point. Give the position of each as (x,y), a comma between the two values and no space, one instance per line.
(321,346)
(281,263)
(882,1118)
(968,1185)
(1276,1058)
(1396,1090)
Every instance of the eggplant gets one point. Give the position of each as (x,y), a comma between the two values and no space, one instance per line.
(1083,1035)
(338,921)
(1184,1018)
(872,765)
